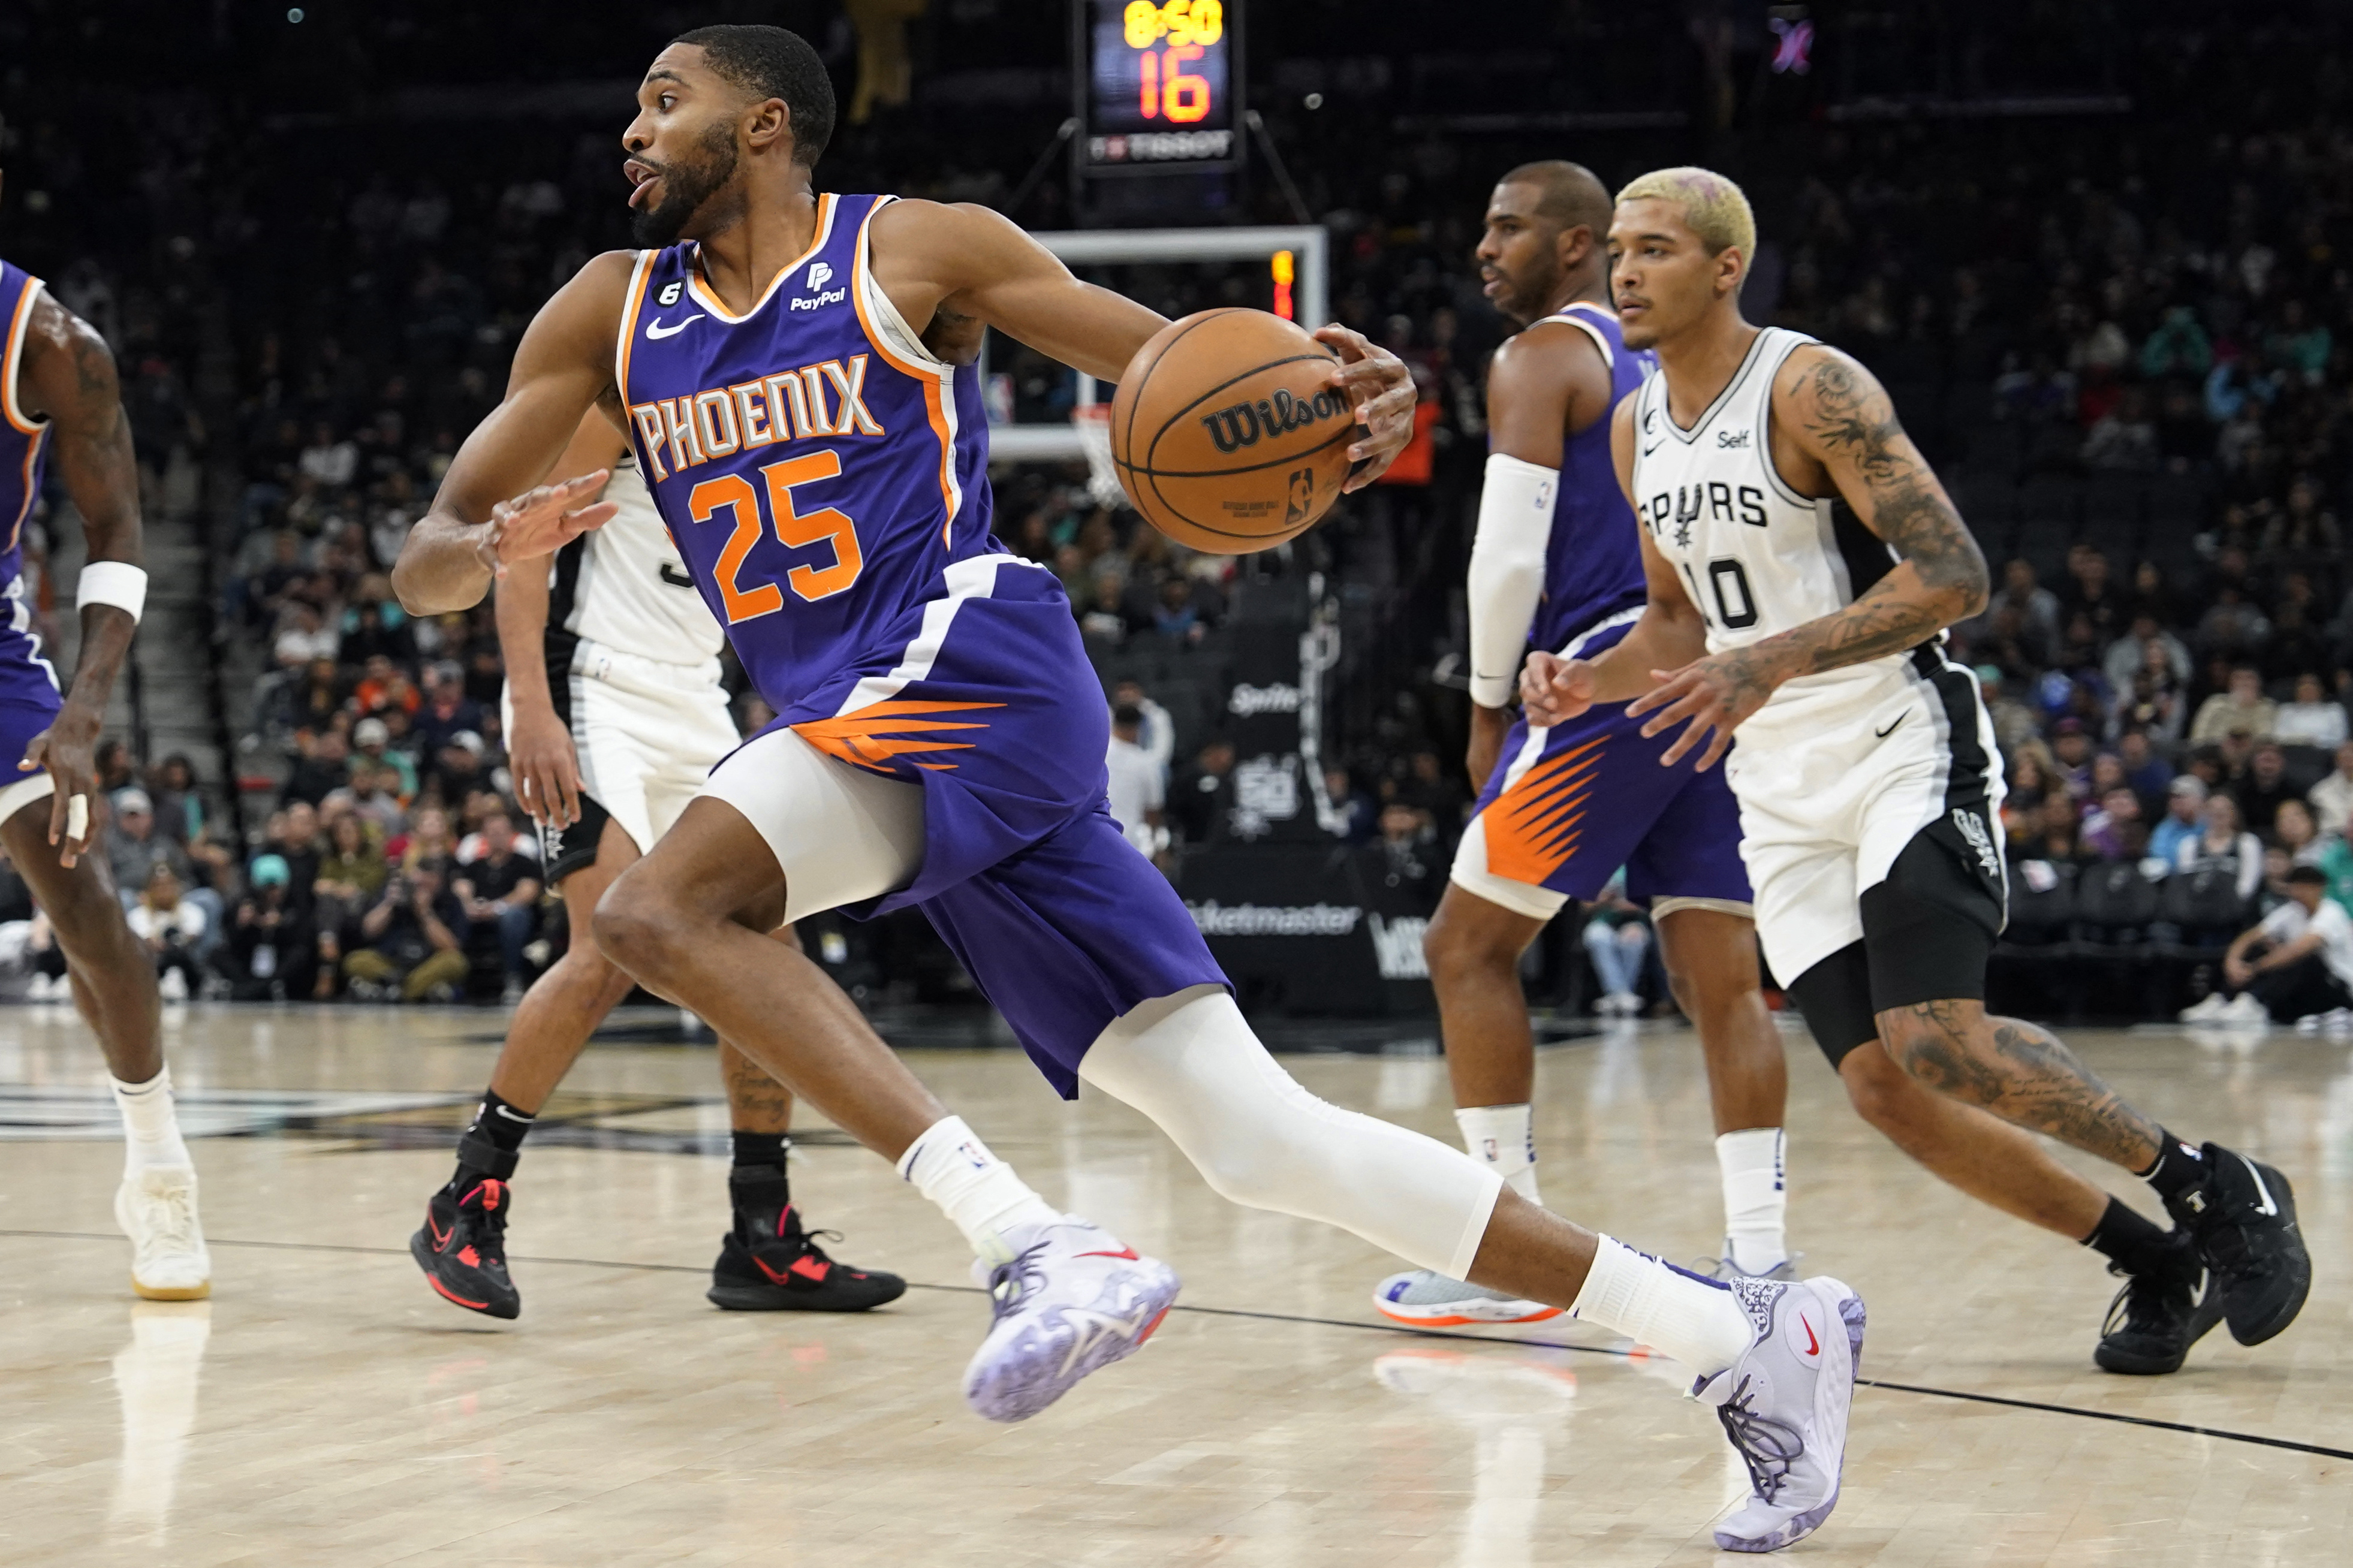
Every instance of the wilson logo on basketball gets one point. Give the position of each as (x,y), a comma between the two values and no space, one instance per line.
(1242,425)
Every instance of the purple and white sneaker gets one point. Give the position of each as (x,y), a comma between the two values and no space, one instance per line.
(1784,1405)
(1070,1300)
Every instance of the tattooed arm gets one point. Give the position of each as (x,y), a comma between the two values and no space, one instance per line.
(1834,425)
(68,378)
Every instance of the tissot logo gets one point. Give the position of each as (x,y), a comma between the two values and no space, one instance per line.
(1242,424)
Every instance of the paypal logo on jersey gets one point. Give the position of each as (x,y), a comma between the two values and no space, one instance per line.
(820,274)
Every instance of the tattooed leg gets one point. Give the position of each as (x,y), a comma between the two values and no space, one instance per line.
(2022,1074)
(756,1102)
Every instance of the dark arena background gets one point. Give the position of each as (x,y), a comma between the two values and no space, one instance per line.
(2100,255)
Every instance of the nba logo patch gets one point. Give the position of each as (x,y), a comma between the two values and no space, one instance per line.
(668,296)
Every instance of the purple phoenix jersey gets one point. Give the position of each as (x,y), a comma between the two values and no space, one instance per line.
(29,687)
(826,481)
(1570,805)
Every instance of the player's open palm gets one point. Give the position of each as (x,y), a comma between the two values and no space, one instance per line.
(1709,697)
(543,520)
(546,768)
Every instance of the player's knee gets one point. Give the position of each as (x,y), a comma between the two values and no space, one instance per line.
(638,931)
(1457,955)
(1248,1171)
(1883,1093)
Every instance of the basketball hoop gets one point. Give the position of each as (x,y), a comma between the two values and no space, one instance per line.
(1092,422)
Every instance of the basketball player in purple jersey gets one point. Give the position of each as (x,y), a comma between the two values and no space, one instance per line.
(1557,564)
(59,401)
(940,741)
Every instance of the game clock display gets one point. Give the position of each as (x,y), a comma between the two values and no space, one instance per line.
(1160,84)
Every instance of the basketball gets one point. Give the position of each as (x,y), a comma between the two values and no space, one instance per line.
(1226,433)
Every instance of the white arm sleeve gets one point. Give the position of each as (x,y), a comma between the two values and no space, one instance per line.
(1507,572)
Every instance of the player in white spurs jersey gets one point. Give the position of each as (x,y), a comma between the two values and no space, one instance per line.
(1803,563)
(615,717)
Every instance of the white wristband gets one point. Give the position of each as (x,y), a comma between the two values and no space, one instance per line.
(115,583)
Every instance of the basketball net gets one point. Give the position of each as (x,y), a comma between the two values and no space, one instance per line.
(1092,422)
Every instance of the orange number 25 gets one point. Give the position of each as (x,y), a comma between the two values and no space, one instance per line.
(732,494)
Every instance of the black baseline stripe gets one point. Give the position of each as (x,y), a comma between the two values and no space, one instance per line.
(1400,1330)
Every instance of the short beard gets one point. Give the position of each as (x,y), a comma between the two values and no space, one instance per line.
(691,186)
(1528,307)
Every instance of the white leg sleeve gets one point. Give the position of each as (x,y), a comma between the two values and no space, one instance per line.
(1191,1064)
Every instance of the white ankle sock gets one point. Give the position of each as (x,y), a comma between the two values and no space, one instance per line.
(1503,1139)
(1755,1203)
(1693,1319)
(150,1127)
(979,1192)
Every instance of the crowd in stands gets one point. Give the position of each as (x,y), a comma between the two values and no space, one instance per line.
(2142,321)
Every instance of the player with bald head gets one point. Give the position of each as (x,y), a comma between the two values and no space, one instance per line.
(1557,564)
(1803,562)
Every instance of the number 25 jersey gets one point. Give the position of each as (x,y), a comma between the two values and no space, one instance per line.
(817,467)
(1755,557)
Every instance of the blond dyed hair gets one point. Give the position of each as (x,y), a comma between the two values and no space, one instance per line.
(1715,209)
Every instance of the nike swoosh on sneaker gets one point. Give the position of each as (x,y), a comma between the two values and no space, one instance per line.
(1127,1252)
(1813,1346)
(440,1236)
(656,331)
(1095,1325)
(2271,1209)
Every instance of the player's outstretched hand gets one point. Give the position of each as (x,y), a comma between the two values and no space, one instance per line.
(1711,697)
(1382,388)
(1554,689)
(542,522)
(68,749)
(546,767)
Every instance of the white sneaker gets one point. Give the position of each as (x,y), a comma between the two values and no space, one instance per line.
(1784,1405)
(157,1208)
(2207,1011)
(1070,1300)
(2245,1009)
(173,987)
(1429,1299)
(2336,1022)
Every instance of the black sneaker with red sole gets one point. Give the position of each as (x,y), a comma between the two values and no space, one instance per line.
(463,1244)
(768,1263)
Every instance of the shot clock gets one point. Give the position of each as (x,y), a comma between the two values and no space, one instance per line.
(1160,85)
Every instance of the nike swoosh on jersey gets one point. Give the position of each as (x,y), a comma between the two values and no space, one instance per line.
(673,576)
(1883,734)
(656,331)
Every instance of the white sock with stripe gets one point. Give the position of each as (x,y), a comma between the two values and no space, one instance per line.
(979,1192)
(151,1126)
(1755,1199)
(1696,1320)
(1503,1139)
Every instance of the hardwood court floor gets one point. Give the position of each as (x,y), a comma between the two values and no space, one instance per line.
(325,1408)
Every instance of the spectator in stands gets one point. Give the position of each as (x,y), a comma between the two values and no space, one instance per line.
(2184,819)
(1616,937)
(172,927)
(447,712)
(2070,756)
(2090,592)
(2147,774)
(1136,795)
(2221,844)
(271,950)
(2314,719)
(458,768)
(2332,797)
(321,766)
(133,847)
(2263,787)
(429,838)
(303,635)
(1159,735)
(2296,963)
(415,938)
(372,742)
(2130,653)
(2112,829)
(1203,792)
(500,888)
(1358,814)
(376,796)
(2037,606)
(1174,615)
(350,879)
(2293,831)
(2014,723)
(2243,706)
